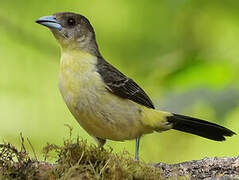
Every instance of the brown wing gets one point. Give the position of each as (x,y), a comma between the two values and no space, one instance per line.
(121,85)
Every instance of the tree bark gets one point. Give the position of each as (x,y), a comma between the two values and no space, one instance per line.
(220,168)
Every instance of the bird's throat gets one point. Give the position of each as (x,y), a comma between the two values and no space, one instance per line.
(77,62)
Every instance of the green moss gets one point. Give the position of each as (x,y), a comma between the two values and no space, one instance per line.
(75,160)
(16,164)
(79,160)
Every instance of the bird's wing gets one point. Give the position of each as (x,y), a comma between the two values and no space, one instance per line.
(120,85)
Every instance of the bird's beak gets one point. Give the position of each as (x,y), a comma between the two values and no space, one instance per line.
(49,21)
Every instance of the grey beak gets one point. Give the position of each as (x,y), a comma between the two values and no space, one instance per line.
(49,21)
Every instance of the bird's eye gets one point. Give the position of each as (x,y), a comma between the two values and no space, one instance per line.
(71,22)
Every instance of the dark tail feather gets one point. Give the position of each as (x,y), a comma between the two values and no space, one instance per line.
(199,127)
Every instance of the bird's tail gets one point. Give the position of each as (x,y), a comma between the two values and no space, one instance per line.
(199,127)
(160,121)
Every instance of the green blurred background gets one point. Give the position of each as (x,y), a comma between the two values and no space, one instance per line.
(183,53)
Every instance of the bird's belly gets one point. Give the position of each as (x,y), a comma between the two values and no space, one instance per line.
(98,111)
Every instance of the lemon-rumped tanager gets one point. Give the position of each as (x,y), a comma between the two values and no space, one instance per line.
(106,103)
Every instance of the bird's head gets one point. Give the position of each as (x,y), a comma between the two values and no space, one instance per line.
(72,31)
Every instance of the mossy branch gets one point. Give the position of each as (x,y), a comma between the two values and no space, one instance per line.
(78,160)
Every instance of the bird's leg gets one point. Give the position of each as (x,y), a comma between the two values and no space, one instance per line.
(100,142)
(136,158)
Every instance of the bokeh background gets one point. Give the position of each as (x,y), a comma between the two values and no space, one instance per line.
(185,54)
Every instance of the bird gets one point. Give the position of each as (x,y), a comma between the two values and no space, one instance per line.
(104,101)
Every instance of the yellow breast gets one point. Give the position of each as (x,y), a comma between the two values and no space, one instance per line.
(76,70)
(79,80)
(101,113)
